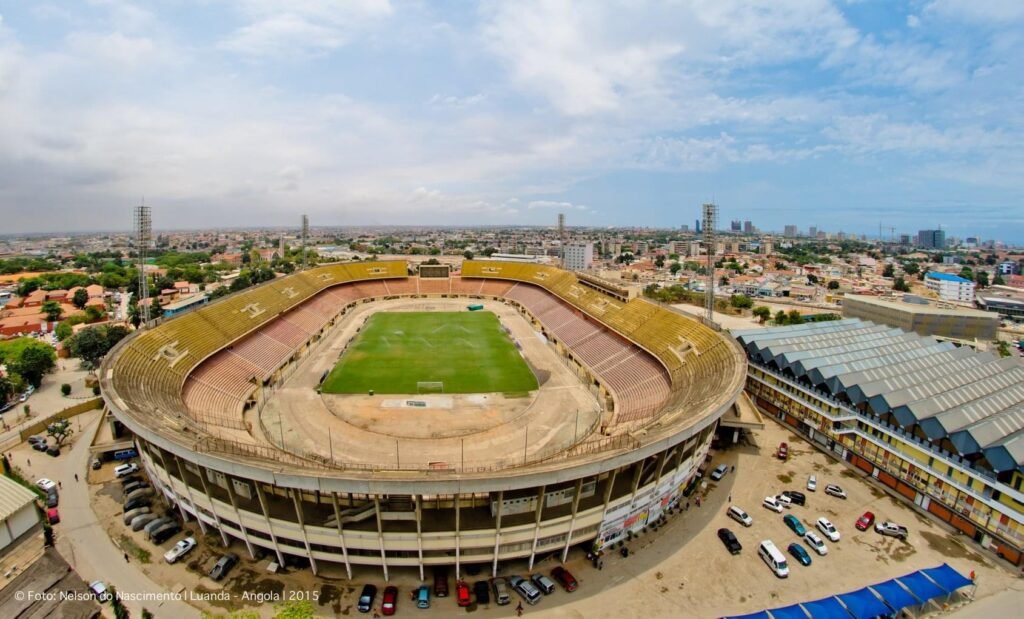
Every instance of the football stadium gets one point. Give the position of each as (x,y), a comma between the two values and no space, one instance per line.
(353,414)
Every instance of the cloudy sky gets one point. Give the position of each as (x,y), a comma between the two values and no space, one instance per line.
(841,114)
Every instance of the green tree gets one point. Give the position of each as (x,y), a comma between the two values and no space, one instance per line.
(741,301)
(900,285)
(63,331)
(674,267)
(60,431)
(781,318)
(468,255)
(6,389)
(723,280)
(1004,348)
(889,271)
(31,359)
(812,278)
(794,318)
(53,310)
(981,278)
(833,285)
(780,266)
(91,344)
(294,610)
(998,280)
(762,313)
(93,313)
(80,298)
(911,268)
(65,390)
(659,261)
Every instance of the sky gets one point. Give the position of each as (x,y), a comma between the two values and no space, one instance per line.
(845,115)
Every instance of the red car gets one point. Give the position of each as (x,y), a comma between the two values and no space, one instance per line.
(52,515)
(390,600)
(783,451)
(462,593)
(864,522)
(566,579)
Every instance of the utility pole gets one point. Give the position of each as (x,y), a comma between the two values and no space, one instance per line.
(710,215)
(561,239)
(143,238)
(305,235)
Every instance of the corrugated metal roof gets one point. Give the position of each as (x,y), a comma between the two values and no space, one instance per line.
(13,496)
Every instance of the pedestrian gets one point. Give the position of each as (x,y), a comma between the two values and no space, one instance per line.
(733,469)
(687,507)
(126,557)
(519,609)
(60,484)
(76,477)
(730,498)
(28,462)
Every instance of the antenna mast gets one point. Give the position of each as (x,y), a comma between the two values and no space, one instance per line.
(143,238)
(305,235)
(710,214)
(561,238)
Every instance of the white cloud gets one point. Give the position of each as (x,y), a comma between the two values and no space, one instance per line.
(877,133)
(562,206)
(913,21)
(985,11)
(451,101)
(115,48)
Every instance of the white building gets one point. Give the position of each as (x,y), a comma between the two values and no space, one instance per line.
(18,513)
(950,287)
(579,256)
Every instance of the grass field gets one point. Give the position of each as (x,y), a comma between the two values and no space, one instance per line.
(468,351)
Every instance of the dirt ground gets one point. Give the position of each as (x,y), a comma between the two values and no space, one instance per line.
(680,570)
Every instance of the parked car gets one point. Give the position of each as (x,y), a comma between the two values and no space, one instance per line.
(482,591)
(131,514)
(156,524)
(829,529)
(136,502)
(45,484)
(892,530)
(36,438)
(783,452)
(794,524)
(740,516)
(772,504)
(812,483)
(53,451)
(797,498)
(462,597)
(864,522)
(525,589)
(165,532)
(223,565)
(729,540)
(99,589)
(138,493)
(96,464)
(389,603)
(133,486)
(40,446)
(543,583)
(365,603)
(799,553)
(440,582)
(52,515)
(52,499)
(141,521)
(179,550)
(565,578)
(719,472)
(130,479)
(126,469)
(501,595)
(836,491)
(423,597)
(784,500)
(815,543)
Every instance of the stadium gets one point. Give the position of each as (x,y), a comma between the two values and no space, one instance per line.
(353,414)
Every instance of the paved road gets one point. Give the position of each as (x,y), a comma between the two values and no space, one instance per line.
(84,543)
(1009,603)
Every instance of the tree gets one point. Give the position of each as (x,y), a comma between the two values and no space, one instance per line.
(675,267)
(61,431)
(6,389)
(659,261)
(53,310)
(812,278)
(723,280)
(780,266)
(762,313)
(432,261)
(900,285)
(795,318)
(65,390)
(780,317)
(981,278)
(63,331)
(96,389)
(31,360)
(468,255)
(998,280)
(889,271)
(911,268)
(1004,348)
(833,285)
(93,313)
(80,298)
(741,301)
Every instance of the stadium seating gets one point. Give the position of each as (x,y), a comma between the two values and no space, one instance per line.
(467,286)
(435,285)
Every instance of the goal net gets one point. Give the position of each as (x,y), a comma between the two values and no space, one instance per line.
(430,386)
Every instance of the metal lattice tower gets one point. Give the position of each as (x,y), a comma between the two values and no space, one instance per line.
(143,238)
(561,238)
(305,235)
(710,217)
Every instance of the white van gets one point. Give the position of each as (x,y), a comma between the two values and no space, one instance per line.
(740,516)
(773,558)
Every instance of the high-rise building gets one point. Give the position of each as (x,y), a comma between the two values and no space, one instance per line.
(735,225)
(748,227)
(904,239)
(812,232)
(791,231)
(931,239)
(698,226)
(579,256)
(684,228)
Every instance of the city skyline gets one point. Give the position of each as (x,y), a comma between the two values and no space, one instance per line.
(835,115)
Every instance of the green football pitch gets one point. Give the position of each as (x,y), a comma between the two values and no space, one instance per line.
(395,351)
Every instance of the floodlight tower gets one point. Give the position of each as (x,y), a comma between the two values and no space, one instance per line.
(561,238)
(305,235)
(710,215)
(143,237)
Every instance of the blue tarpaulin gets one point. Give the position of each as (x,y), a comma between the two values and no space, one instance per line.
(921,587)
(760,615)
(863,604)
(826,608)
(895,595)
(947,578)
(788,612)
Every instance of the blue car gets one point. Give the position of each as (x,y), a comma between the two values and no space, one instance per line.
(799,553)
(794,523)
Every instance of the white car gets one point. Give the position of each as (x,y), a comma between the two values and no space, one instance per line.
(126,469)
(784,500)
(815,543)
(45,484)
(180,549)
(772,504)
(812,483)
(828,529)
(836,491)
(740,516)
(99,589)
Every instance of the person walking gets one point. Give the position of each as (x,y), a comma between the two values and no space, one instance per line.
(76,477)
(60,485)
(126,557)
(730,498)
(519,609)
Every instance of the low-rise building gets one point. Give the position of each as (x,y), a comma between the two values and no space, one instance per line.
(923,316)
(950,287)
(18,513)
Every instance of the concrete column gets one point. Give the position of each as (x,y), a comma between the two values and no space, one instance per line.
(213,509)
(607,496)
(419,530)
(497,533)
(266,519)
(188,491)
(238,519)
(572,521)
(536,523)
(458,538)
(167,471)
(380,536)
(341,534)
(302,527)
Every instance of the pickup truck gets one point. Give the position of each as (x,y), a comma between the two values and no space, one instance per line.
(892,530)
(180,549)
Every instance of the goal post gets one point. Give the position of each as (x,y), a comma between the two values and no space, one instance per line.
(430,386)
